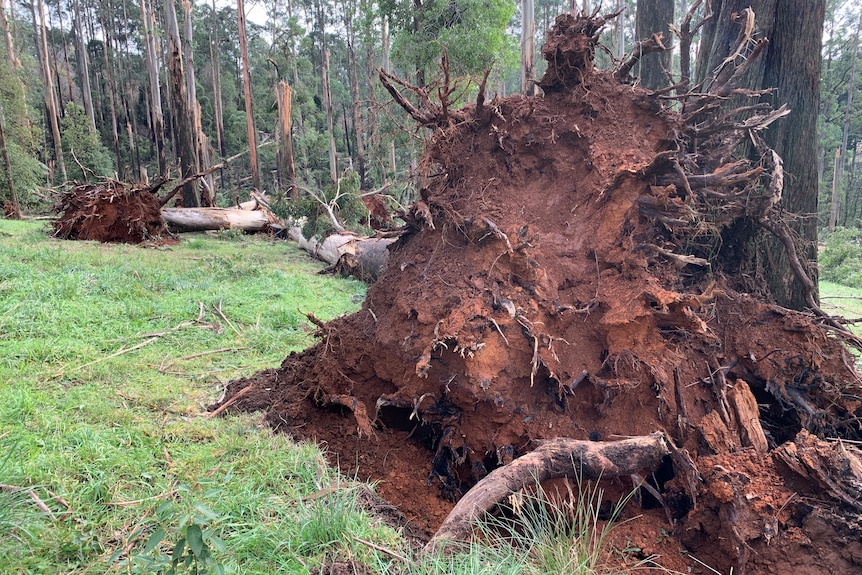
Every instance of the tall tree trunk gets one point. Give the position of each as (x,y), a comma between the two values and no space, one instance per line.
(186,146)
(110,88)
(148,19)
(246,87)
(67,70)
(654,17)
(50,96)
(330,120)
(845,133)
(286,163)
(14,207)
(620,31)
(201,141)
(215,64)
(528,56)
(83,66)
(835,206)
(128,98)
(7,37)
(356,105)
(790,64)
(393,167)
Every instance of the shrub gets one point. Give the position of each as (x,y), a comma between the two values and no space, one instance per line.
(841,260)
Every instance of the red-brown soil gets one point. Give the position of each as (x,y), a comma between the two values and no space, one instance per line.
(109,211)
(527,300)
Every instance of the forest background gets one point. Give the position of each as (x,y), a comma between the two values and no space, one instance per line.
(289,101)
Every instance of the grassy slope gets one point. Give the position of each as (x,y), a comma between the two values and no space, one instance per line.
(119,438)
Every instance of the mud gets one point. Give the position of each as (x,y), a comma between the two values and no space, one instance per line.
(109,211)
(526,300)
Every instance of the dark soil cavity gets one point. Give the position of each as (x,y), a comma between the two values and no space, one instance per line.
(109,212)
(537,292)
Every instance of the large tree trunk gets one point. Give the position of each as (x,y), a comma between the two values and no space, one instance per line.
(215,63)
(362,258)
(356,105)
(286,163)
(528,49)
(7,37)
(186,147)
(246,88)
(327,103)
(654,17)
(151,55)
(201,141)
(845,135)
(202,219)
(109,88)
(50,96)
(791,65)
(83,66)
(129,101)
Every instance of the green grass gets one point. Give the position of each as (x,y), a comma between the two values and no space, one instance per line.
(119,448)
(841,300)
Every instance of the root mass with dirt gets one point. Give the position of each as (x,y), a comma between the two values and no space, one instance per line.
(577,267)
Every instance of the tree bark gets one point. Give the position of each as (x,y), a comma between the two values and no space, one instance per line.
(7,37)
(356,105)
(50,96)
(528,47)
(83,66)
(186,146)
(202,219)
(246,88)
(327,103)
(215,63)
(286,163)
(109,88)
(151,57)
(835,206)
(845,132)
(654,17)
(202,148)
(791,65)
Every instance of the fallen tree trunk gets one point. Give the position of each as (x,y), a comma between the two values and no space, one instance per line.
(347,254)
(202,219)
(553,459)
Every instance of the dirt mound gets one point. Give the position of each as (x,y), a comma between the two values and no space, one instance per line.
(576,268)
(109,211)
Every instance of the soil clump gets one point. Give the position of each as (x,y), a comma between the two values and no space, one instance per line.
(577,267)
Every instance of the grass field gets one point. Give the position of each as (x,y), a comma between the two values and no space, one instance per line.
(108,356)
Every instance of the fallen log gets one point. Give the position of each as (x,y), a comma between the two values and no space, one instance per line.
(554,459)
(347,254)
(203,219)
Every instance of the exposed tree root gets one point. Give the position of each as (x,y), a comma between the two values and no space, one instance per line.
(553,459)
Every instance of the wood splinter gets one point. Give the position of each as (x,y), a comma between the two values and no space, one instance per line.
(553,459)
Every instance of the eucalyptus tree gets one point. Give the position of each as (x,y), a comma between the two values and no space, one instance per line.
(789,65)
